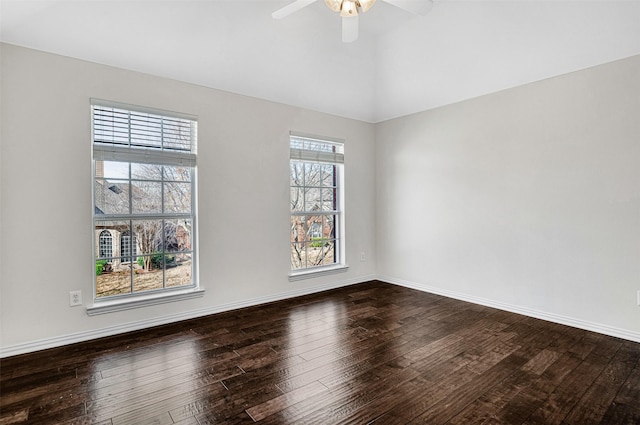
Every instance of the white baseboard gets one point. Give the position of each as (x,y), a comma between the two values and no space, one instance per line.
(551,317)
(59,341)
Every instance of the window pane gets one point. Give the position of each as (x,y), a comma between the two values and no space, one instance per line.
(315,145)
(313,174)
(313,241)
(147,197)
(177,197)
(296,173)
(179,174)
(312,200)
(328,200)
(150,275)
(113,276)
(148,237)
(298,256)
(297,199)
(178,270)
(128,247)
(329,227)
(298,228)
(112,229)
(113,282)
(320,252)
(112,169)
(105,245)
(328,175)
(328,256)
(315,255)
(177,235)
(314,229)
(146,171)
(111,196)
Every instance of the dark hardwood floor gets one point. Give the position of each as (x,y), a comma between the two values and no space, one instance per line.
(369,353)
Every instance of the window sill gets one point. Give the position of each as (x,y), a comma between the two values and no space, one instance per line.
(308,274)
(103,307)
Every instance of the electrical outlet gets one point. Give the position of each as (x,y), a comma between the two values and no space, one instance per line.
(362,256)
(75,298)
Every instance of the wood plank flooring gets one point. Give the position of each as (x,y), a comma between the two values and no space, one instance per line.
(368,353)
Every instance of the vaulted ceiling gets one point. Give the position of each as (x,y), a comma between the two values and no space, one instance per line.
(401,63)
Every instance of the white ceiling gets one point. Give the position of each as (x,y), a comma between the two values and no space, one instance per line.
(401,64)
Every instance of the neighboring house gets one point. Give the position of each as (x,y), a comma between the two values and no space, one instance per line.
(114,240)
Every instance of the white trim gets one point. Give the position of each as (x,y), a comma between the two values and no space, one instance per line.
(316,272)
(73,338)
(58,341)
(550,317)
(131,302)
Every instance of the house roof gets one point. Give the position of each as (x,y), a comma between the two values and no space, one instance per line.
(111,198)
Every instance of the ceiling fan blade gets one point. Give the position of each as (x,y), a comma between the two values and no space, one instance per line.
(291,8)
(350,28)
(418,7)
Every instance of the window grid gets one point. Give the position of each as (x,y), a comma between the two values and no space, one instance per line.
(315,206)
(106,247)
(147,204)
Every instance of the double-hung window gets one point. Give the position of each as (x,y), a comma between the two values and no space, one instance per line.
(144,218)
(317,223)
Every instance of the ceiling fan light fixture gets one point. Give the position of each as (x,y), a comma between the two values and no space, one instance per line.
(349,8)
(334,5)
(366,4)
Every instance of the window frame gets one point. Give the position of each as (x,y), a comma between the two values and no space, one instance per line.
(161,156)
(301,155)
(105,243)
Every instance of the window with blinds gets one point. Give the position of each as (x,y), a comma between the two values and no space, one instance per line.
(143,135)
(144,164)
(317,223)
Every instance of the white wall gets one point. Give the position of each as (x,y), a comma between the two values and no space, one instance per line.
(1,185)
(527,199)
(242,188)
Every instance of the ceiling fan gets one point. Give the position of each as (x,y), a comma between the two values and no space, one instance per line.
(349,10)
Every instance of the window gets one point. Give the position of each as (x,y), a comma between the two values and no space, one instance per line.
(144,165)
(317,223)
(105,244)
(127,247)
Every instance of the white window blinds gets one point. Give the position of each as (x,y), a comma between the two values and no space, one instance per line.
(309,148)
(122,133)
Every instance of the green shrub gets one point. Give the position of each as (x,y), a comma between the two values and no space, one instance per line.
(156,260)
(316,242)
(100,266)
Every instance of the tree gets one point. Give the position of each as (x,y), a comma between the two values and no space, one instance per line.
(161,189)
(313,205)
